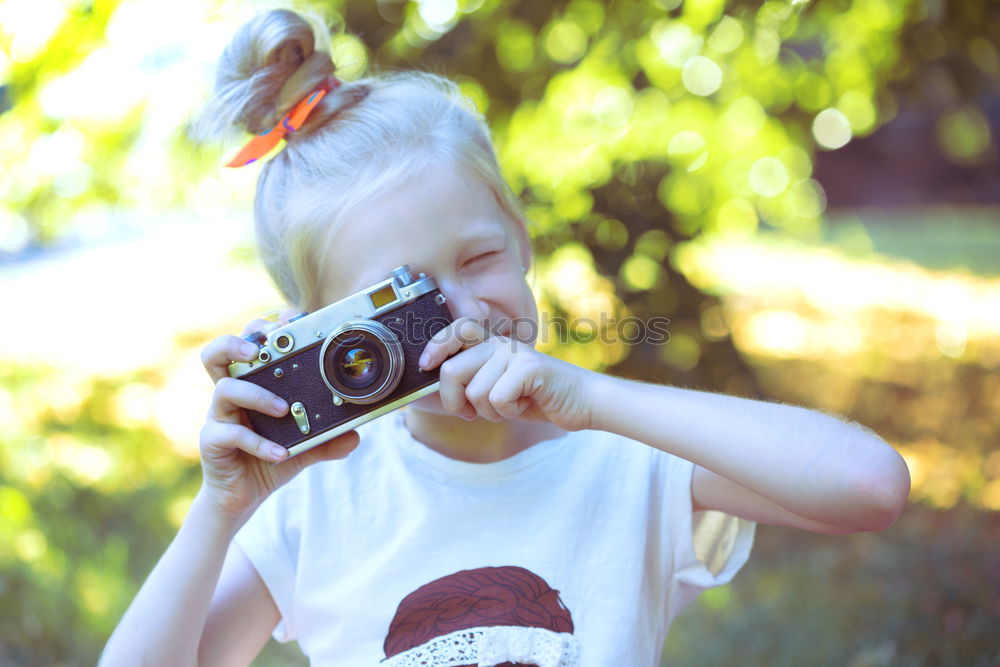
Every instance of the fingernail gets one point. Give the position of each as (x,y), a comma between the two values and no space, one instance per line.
(280,405)
(278,452)
(424,360)
(248,349)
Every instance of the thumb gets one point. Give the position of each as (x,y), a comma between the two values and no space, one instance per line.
(331,450)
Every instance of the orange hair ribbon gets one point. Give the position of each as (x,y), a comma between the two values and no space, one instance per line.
(261,144)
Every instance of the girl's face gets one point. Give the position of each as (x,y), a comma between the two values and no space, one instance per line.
(448,225)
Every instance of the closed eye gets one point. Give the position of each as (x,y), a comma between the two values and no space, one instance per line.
(484,256)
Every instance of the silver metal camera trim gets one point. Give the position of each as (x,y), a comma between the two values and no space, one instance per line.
(309,329)
(392,344)
(320,438)
(284,348)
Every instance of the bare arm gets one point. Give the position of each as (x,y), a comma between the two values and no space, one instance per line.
(758,460)
(165,622)
(839,476)
(175,617)
(242,616)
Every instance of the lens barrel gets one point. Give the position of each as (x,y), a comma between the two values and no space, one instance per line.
(362,361)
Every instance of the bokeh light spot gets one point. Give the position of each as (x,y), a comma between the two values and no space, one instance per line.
(768,176)
(727,35)
(701,75)
(611,234)
(30,545)
(812,91)
(349,55)
(639,272)
(964,135)
(951,338)
(808,198)
(859,110)
(984,54)
(688,149)
(474,93)
(515,45)
(766,44)
(565,41)
(831,128)
(437,13)
(676,42)
(613,106)
(681,351)
(655,243)
(745,116)
(685,194)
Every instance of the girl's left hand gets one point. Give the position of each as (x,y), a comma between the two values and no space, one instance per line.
(500,378)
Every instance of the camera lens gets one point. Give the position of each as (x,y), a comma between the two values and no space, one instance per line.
(356,364)
(362,361)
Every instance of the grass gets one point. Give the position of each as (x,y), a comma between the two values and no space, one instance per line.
(940,238)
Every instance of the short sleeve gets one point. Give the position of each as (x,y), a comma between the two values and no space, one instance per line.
(707,547)
(270,541)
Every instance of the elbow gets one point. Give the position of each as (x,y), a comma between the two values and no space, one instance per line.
(888,489)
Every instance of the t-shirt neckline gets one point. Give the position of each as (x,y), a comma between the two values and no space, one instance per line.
(524,459)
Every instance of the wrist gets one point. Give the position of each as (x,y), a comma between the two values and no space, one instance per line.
(214,515)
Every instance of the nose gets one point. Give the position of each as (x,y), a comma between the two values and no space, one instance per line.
(462,302)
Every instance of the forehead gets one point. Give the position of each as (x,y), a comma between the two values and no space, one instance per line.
(429,218)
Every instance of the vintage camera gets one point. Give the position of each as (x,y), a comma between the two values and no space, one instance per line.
(347,363)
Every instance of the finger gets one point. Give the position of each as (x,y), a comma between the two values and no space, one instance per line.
(270,321)
(455,373)
(287,314)
(259,324)
(217,355)
(477,390)
(331,450)
(463,333)
(232,394)
(513,410)
(511,393)
(220,439)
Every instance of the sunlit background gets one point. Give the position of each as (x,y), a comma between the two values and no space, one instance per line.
(808,190)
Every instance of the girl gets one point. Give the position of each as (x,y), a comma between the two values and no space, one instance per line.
(529,513)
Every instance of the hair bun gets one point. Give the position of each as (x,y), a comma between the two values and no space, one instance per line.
(272,62)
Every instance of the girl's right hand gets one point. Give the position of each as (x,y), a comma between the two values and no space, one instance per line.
(241,468)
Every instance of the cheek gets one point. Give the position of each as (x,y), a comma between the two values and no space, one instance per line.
(511,291)
(504,286)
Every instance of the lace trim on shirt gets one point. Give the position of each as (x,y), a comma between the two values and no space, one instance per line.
(492,645)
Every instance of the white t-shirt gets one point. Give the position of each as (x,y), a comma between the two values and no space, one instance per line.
(583,547)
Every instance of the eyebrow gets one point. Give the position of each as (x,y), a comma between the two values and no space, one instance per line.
(483,237)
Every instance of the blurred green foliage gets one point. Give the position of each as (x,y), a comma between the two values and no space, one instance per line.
(629,129)
(922,592)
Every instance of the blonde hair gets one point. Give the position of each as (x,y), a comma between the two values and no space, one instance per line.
(363,138)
